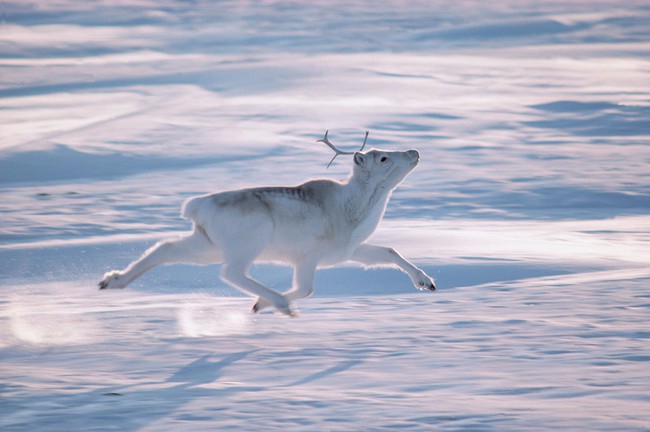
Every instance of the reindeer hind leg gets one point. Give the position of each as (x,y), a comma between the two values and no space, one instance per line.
(235,274)
(195,248)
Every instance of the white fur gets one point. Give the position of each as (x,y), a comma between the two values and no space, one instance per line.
(319,223)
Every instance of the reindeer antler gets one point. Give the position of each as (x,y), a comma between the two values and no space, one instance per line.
(336,150)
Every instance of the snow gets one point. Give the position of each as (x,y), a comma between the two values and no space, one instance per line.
(530,207)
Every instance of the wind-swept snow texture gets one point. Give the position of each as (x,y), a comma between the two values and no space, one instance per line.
(531,207)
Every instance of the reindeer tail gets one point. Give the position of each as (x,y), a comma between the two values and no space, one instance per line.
(191,207)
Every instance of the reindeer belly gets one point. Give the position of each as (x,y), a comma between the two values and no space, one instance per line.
(298,233)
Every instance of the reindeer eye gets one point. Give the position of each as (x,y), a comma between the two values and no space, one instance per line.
(384,159)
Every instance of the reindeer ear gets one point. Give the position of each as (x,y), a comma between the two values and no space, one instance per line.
(359,158)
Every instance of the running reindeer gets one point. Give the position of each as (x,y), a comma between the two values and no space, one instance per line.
(319,223)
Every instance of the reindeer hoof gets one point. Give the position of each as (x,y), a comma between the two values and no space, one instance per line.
(287,309)
(112,280)
(281,305)
(422,281)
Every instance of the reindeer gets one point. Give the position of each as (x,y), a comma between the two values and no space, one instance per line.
(318,223)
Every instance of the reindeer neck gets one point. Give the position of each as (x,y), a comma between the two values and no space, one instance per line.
(364,199)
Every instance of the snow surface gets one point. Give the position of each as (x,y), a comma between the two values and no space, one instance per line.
(531,208)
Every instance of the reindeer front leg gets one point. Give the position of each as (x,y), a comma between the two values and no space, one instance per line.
(372,255)
(303,285)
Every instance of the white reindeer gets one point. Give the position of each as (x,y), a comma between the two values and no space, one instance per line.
(319,223)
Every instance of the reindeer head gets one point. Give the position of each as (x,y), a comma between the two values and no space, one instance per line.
(384,168)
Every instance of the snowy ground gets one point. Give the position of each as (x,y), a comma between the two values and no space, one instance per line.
(531,207)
